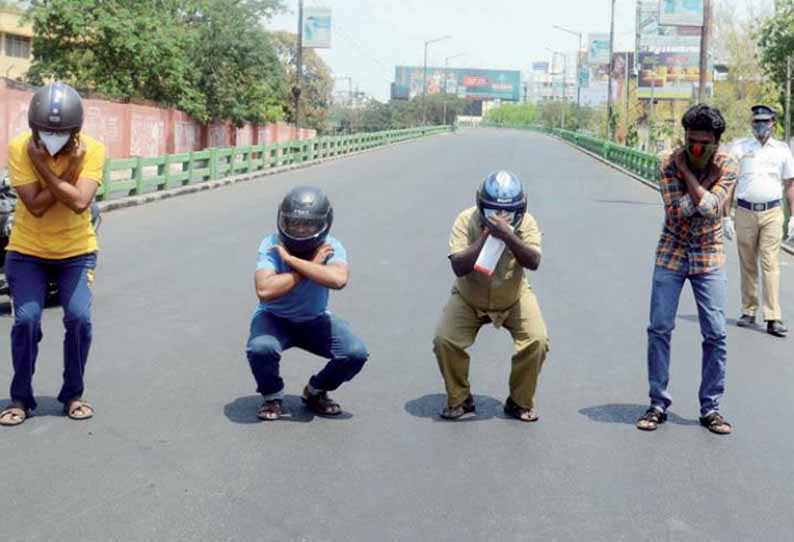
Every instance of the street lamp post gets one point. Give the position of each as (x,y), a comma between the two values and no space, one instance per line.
(564,82)
(424,78)
(446,63)
(578,72)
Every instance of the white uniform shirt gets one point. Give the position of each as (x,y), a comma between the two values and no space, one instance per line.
(762,169)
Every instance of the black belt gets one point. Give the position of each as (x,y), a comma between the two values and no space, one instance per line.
(758,206)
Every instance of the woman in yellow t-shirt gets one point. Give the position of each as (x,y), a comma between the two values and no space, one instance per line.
(56,171)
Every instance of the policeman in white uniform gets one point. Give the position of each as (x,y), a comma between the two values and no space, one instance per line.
(766,172)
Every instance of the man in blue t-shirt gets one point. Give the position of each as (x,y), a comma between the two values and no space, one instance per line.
(294,270)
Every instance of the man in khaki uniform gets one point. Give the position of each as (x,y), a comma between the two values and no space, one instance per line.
(765,167)
(502,297)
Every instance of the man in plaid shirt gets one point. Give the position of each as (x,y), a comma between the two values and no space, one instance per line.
(695,182)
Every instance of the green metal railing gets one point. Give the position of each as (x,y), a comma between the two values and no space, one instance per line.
(135,176)
(640,163)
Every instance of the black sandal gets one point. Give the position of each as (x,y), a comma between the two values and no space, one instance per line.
(465,409)
(270,410)
(652,419)
(520,413)
(320,403)
(716,423)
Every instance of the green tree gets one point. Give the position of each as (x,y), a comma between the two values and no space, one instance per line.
(523,114)
(317,85)
(745,84)
(234,60)
(209,58)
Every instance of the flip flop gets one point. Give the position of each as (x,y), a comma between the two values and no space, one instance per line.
(13,414)
(77,409)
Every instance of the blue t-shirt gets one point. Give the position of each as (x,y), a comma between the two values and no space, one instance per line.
(307,300)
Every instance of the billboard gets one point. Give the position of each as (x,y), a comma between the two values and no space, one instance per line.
(659,38)
(463,82)
(668,75)
(620,63)
(317,27)
(598,49)
(681,12)
(540,67)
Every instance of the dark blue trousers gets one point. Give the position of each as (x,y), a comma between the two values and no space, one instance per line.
(28,277)
(326,336)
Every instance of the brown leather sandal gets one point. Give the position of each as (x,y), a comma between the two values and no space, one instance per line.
(652,419)
(464,410)
(520,413)
(270,410)
(320,403)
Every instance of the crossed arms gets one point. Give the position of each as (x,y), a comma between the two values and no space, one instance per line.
(77,194)
(271,285)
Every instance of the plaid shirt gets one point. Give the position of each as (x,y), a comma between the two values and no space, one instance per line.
(692,239)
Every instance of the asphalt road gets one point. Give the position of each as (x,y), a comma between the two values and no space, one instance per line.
(175,452)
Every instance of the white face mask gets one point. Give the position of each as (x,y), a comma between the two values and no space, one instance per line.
(504,214)
(54,141)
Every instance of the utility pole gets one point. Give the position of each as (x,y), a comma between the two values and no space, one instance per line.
(564,81)
(296,90)
(578,72)
(627,85)
(446,65)
(611,69)
(704,50)
(788,100)
(424,79)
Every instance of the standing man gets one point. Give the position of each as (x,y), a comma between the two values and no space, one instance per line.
(295,269)
(56,171)
(766,168)
(503,299)
(696,180)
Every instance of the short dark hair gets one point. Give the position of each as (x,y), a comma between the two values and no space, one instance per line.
(705,118)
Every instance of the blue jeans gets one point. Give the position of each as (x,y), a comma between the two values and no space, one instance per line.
(710,290)
(326,336)
(28,277)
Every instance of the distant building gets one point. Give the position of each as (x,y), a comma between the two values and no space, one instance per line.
(16,43)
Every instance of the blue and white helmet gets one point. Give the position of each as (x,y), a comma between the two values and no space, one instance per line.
(502,192)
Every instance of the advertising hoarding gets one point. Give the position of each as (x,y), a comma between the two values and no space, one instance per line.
(681,12)
(668,75)
(540,67)
(619,65)
(659,38)
(317,27)
(598,49)
(465,82)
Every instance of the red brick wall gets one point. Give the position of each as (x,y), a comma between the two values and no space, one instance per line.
(139,130)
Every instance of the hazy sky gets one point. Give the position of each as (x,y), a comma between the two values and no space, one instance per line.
(370,37)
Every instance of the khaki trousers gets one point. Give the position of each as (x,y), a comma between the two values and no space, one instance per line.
(457,330)
(758,236)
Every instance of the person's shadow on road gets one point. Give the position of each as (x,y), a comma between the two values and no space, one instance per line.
(628,414)
(431,405)
(243,410)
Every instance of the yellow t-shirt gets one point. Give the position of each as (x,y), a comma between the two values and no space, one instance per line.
(60,232)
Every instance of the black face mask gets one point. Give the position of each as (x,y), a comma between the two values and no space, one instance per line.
(762,130)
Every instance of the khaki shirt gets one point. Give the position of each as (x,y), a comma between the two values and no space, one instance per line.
(502,289)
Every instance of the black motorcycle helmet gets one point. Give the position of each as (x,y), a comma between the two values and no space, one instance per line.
(304,220)
(56,107)
(502,191)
